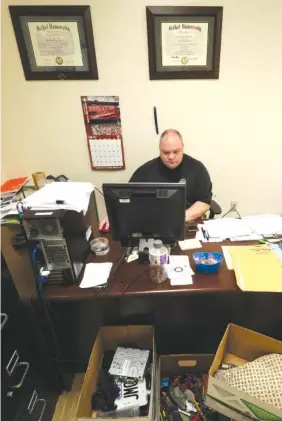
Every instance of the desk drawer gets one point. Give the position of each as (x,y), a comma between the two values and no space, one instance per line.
(14,334)
(31,402)
(40,406)
(13,397)
(14,373)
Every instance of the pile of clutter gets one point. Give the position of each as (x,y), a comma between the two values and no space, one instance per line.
(124,385)
(182,399)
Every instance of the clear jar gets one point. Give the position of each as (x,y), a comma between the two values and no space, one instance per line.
(158,256)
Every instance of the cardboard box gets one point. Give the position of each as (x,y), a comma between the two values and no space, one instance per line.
(179,364)
(238,346)
(108,338)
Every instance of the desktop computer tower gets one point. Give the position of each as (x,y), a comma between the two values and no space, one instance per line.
(64,239)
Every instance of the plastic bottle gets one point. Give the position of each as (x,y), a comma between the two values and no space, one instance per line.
(158,256)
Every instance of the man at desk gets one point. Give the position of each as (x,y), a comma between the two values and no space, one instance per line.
(172,166)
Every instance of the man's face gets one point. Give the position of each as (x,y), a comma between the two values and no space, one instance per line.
(171,151)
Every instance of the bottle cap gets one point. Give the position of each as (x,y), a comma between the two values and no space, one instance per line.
(158,244)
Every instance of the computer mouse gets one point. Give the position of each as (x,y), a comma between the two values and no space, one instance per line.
(104,229)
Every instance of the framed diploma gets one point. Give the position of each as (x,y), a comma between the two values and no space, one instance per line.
(55,42)
(184,42)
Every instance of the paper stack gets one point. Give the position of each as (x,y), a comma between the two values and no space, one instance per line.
(249,228)
(266,225)
(227,228)
(95,274)
(61,195)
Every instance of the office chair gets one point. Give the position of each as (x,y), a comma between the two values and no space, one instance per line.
(215,209)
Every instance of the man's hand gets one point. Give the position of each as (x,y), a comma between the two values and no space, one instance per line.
(196,211)
(104,225)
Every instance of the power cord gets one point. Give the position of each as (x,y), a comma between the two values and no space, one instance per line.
(40,280)
(126,288)
(231,210)
(115,267)
(99,191)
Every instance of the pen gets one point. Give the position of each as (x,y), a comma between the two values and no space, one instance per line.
(205,234)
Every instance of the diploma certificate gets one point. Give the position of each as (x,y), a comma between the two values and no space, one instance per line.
(184,44)
(55,44)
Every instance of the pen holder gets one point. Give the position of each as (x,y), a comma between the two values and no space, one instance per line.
(207,262)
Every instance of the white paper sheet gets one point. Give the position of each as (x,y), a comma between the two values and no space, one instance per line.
(267,224)
(190,244)
(179,270)
(227,227)
(75,196)
(95,274)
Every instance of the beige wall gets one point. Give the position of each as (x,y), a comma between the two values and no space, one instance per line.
(232,124)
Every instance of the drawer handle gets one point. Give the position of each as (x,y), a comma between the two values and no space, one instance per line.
(12,363)
(5,316)
(33,401)
(18,385)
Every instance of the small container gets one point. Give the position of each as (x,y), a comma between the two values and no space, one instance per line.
(158,256)
(207,262)
(100,246)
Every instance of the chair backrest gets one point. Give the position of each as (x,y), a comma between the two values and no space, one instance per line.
(215,209)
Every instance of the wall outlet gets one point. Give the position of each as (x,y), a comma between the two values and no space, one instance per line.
(233,205)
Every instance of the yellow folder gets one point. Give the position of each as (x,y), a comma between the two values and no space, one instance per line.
(257,268)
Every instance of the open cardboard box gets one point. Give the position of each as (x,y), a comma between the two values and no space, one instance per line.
(177,365)
(109,338)
(238,346)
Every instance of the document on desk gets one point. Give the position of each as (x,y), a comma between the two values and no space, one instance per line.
(257,268)
(227,228)
(95,275)
(179,270)
(190,244)
(267,224)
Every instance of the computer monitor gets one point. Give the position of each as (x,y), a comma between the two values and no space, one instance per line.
(146,210)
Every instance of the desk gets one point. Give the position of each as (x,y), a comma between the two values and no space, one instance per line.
(132,279)
(187,319)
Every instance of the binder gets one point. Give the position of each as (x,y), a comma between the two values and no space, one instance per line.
(257,268)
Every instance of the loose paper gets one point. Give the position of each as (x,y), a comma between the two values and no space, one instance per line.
(95,274)
(191,244)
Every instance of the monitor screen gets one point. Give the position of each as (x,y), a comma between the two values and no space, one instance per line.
(147,210)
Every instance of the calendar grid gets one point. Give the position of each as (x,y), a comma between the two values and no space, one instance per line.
(106,152)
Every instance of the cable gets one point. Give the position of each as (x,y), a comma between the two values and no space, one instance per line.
(39,281)
(230,210)
(133,281)
(240,217)
(115,268)
(120,261)
(99,191)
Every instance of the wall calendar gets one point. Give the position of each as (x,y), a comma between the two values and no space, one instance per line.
(104,134)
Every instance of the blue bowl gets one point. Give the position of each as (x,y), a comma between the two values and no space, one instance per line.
(207,262)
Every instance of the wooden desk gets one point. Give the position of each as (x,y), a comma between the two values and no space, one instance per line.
(132,279)
(187,319)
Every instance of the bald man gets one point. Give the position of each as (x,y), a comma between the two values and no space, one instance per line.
(172,166)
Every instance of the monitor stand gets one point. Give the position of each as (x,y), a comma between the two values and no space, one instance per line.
(143,249)
(144,246)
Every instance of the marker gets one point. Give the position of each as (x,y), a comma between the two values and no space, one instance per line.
(156,120)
